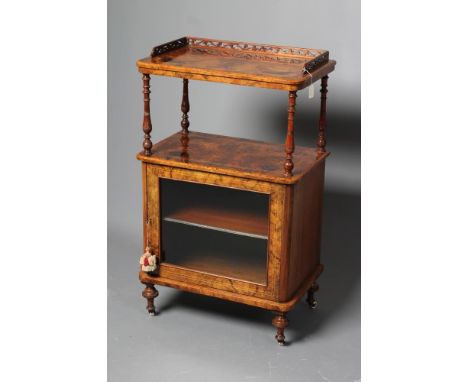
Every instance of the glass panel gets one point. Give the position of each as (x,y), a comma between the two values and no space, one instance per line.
(217,230)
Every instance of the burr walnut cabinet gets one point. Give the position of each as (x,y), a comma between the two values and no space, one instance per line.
(228,217)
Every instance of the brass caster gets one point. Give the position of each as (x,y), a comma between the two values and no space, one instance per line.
(313,304)
(280,338)
(310,296)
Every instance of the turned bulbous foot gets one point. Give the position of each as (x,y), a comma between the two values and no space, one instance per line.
(150,293)
(280,322)
(310,296)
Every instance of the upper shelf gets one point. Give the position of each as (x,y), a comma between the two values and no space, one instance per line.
(241,63)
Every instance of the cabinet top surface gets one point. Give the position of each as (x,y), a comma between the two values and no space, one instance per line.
(232,156)
(242,63)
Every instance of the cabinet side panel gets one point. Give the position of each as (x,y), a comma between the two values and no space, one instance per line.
(306,227)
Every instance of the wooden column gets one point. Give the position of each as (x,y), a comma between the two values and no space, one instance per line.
(147,127)
(321,140)
(289,143)
(185,108)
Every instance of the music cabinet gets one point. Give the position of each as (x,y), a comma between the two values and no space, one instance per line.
(227,217)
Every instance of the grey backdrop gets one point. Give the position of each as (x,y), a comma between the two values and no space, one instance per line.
(197,338)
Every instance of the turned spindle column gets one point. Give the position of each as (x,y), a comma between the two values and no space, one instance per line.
(289,143)
(321,140)
(280,322)
(147,127)
(185,108)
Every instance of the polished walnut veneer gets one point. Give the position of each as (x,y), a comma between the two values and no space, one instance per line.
(228,217)
(240,63)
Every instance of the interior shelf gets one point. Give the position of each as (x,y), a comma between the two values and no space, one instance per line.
(225,267)
(214,252)
(237,222)
(222,209)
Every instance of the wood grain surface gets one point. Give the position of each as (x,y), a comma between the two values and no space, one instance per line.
(234,296)
(233,156)
(242,63)
(305,226)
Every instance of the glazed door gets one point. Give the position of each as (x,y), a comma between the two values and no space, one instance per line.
(215,230)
